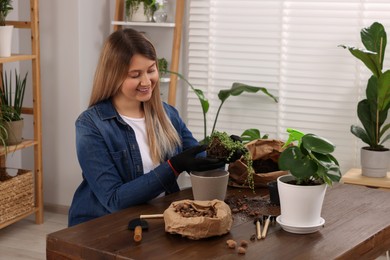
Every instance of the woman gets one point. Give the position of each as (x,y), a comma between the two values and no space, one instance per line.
(131,147)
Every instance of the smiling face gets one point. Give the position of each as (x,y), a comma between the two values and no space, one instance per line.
(139,84)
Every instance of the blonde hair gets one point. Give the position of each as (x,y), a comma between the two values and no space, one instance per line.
(111,72)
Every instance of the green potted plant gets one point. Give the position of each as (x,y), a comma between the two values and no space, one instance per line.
(372,111)
(162,65)
(5,30)
(11,98)
(312,168)
(212,184)
(247,135)
(139,10)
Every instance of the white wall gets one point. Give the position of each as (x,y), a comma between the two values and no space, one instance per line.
(72,33)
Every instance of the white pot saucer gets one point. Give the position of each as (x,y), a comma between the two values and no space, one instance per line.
(300,229)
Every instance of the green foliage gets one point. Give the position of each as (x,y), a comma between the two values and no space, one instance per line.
(252,134)
(5,8)
(12,98)
(235,90)
(311,160)
(372,111)
(132,6)
(234,147)
(162,66)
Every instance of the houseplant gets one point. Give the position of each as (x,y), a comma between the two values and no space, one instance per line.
(235,90)
(312,168)
(11,98)
(140,10)
(5,30)
(372,111)
(162,65)
(212,184)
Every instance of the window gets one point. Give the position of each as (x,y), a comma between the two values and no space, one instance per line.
(291,48)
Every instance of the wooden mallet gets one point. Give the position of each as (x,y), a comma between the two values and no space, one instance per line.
(138,225)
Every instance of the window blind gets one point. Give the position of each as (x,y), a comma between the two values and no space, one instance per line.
(291,48)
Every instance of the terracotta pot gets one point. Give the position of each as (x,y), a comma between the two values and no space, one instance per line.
(15,132)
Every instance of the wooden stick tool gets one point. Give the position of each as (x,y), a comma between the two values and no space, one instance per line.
(258,223)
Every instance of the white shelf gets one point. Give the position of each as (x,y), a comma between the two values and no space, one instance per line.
(145,24)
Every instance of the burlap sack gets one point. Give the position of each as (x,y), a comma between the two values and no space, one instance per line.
(261,149)
(199,227)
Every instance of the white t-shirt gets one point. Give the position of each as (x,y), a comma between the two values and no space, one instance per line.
(138,125)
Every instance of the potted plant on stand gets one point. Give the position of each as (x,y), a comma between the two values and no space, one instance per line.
(5,30)
(11,106)
(372,111)
(312,168)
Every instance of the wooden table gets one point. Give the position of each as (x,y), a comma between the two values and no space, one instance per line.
(357,227)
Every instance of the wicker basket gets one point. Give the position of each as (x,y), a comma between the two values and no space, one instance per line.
(16,193)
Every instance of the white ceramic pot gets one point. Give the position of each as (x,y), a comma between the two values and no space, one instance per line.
(209,185)
(5,40)
(374,163)
(300,206)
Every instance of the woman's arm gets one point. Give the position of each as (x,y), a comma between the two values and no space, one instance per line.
(113,175)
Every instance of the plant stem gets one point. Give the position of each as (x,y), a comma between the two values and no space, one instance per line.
(216,116)
(377,110)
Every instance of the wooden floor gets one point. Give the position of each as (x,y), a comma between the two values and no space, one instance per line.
(25,240)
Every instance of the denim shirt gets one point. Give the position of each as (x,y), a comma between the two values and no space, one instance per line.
(110,159)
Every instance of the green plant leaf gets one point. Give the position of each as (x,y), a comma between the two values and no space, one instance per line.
(252,134)
(322,159)
(383,131)
(238,88)
(367,117)
(294,135)
(387,137)
(372,90)
(12,96)
(294,161)
(383,91)
(360,133)
(374,39)
(317,144)
(366,56)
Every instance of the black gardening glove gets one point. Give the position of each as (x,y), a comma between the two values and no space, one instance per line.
(237,154)
(187,161)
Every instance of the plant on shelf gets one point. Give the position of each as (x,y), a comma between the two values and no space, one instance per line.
(5,8)
(132,6)
(11,99)
(162,66)
(5,30)
(373,110)
(235,90)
